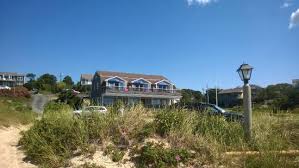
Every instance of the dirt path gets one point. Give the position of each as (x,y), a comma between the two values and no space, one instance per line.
(10,156)
(38,102)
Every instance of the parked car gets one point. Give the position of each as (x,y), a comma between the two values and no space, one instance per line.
(88,110)
(212,109)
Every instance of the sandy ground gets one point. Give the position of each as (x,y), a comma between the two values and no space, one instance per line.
(100,160)
(10,155)
(38,102)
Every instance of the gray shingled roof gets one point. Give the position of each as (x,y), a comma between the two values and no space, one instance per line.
(239,89)
(234,90)
(130,76)
(86,76)
(11,73)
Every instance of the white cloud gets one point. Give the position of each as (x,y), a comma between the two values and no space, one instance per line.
(200,2)
(286,5)
(294,20)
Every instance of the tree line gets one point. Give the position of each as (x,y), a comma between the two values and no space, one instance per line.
(48,82)
(281,96)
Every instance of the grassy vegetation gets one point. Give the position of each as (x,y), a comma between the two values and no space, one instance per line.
(14,110)
(181,137)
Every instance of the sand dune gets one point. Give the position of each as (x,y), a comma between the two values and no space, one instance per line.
(10,155)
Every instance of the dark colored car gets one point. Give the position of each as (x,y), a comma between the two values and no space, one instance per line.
(212,109)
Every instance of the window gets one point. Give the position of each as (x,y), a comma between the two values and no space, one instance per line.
(133,101)
(156,102)
(163,85)
(115,82)
(108,101)
(141,83)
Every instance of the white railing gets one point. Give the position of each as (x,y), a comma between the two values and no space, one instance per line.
(122,89)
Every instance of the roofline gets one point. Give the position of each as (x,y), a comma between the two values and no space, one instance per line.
(142,79)
(12,73)
(132,73)
(163,81)
(115,77)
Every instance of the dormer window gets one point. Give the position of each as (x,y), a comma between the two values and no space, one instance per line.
(115,82)
(164,85)
(141,83)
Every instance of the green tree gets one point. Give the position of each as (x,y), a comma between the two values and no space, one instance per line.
(293,98)
(32,84)
(212,95)
(82,88)
(31,76)
(68,81)
(47,82)
(190,96)
(70,98)
(280,96)
(61,86)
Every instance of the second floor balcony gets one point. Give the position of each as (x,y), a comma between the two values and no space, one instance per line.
(140,90)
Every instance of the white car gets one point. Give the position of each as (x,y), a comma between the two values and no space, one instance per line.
(90,109)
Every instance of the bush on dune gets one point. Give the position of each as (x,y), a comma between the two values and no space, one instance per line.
(155,155)
(53,106)
(52,140)
(15,110)
(18,91)
(194,139)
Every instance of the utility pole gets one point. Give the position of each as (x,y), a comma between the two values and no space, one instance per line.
(216,96)
(203,93)
(60,77)
(207,92)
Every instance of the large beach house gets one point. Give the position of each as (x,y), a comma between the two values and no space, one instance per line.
(130,88)
(11,79)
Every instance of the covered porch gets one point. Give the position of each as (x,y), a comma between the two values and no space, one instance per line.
(145,101)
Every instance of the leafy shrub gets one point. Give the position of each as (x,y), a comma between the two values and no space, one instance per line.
(90,165)
(270,160)
(147,130)
(52,140)
(53,106)
(154,155)
(70,98)
(115,153)
(216,128)
(134,121)
(167,120)
(99,126)
(18,91)
(15,110)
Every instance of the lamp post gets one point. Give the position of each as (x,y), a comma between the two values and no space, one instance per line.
(245,71)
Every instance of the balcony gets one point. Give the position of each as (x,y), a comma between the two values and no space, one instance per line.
(141,91)
(7,79)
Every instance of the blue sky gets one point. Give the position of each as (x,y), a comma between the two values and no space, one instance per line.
(191,43)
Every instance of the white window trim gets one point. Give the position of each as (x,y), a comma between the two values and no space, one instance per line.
(141,79)
(164,80)
(115,77)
